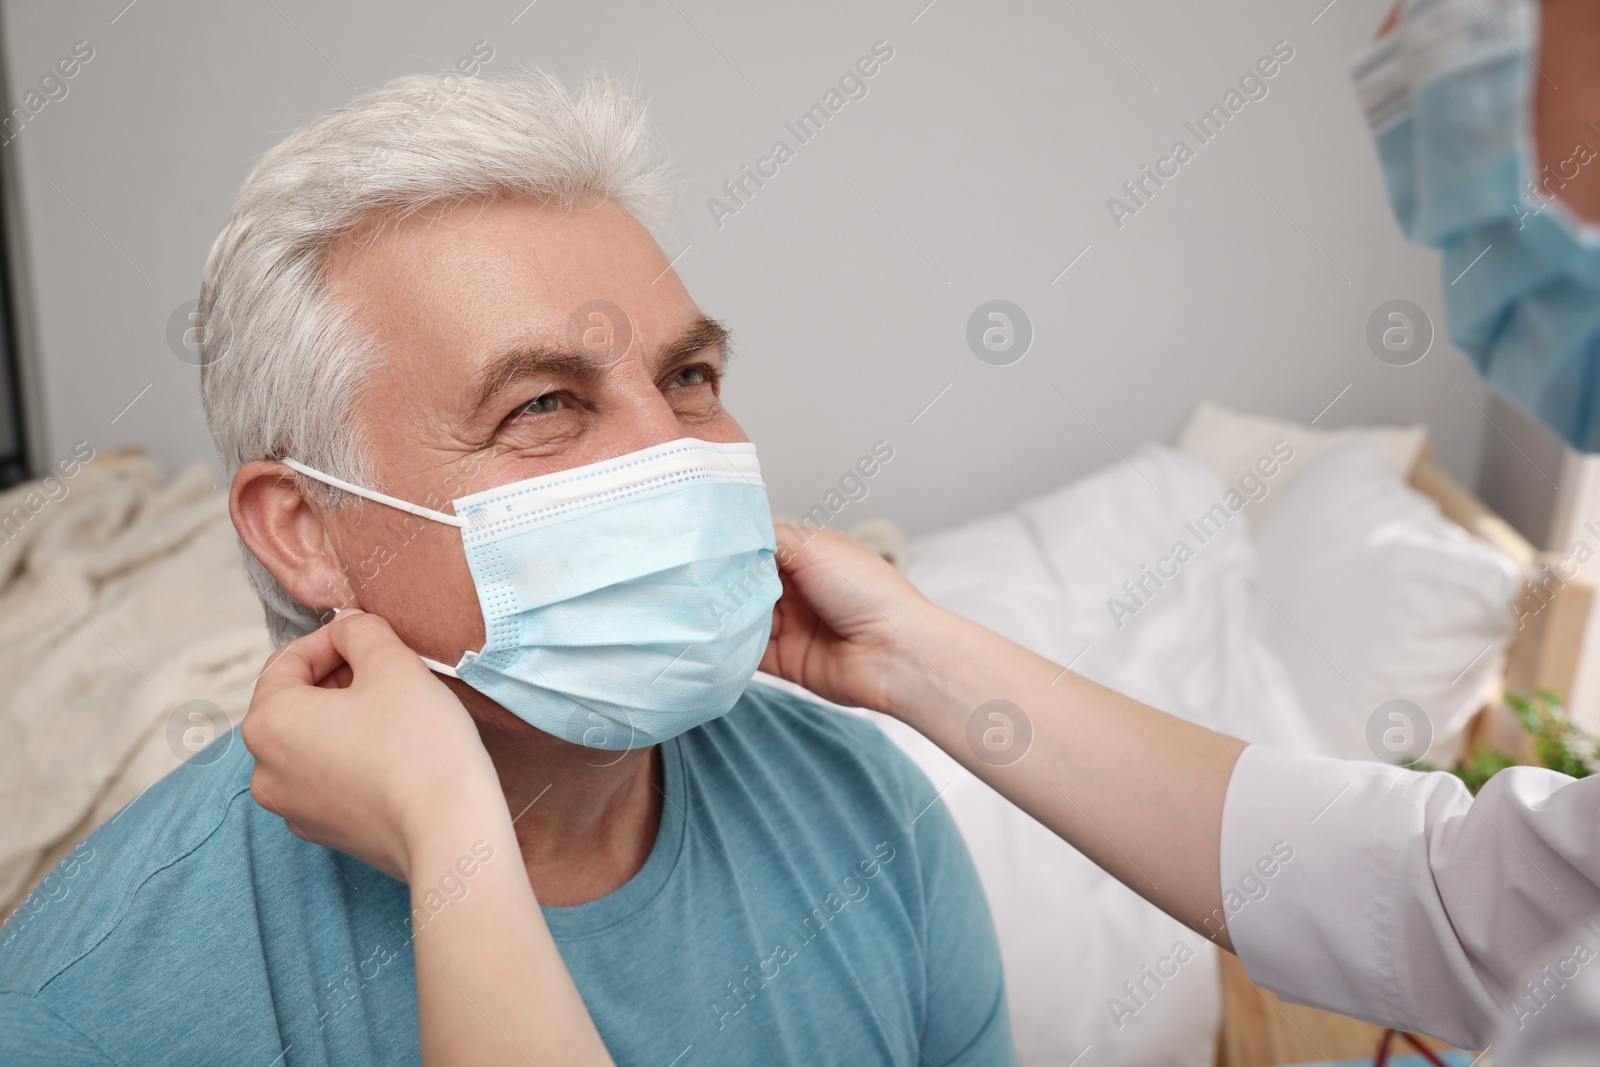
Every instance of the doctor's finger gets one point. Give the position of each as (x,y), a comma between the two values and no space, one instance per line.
(369,644)
(339,678)
(302,662)
(791,539)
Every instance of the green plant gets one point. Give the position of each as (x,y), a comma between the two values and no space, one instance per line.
(1558,742)
(1480,765)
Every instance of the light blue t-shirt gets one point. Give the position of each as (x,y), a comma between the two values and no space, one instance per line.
(807,900)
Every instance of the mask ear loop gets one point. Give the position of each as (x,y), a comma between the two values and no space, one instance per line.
(372,494)
(393,502)
(436,666)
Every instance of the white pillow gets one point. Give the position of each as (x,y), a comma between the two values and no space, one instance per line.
(1053,575)
(1235,444)
(1378,597)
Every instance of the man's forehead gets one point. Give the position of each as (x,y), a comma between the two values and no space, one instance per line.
(472,288)
(562,255)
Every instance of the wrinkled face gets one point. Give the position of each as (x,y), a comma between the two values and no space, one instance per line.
(518,340)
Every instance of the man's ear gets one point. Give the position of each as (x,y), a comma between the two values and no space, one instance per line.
(282,530)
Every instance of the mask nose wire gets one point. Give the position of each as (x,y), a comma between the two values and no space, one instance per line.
(373,495)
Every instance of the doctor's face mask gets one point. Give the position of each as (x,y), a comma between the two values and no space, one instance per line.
(625,601)
(1450,97)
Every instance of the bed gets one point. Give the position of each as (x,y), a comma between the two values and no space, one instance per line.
(1443,602)
(129,639)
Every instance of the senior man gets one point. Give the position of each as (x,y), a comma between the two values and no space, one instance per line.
(444,293)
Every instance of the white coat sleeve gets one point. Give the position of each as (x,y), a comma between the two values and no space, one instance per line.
(1395,897)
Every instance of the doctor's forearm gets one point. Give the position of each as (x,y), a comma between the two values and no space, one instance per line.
(1137,791)
(491,985)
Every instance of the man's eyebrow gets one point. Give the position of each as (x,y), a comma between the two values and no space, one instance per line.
(544,360)
(531,360)
(700,334)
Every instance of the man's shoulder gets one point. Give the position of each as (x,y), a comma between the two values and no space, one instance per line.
(194,817)
(781,710)
(196,902)
(795,736)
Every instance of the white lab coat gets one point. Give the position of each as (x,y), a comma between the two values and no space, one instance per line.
(1408,903)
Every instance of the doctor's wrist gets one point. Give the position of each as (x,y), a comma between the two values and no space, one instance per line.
(955,667)
(436,825)
(925,678)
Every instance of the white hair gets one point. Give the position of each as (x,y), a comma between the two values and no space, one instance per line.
(281,361)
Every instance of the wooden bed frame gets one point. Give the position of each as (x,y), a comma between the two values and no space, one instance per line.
(1258,1029)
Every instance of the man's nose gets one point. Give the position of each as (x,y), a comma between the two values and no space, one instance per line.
(640,417)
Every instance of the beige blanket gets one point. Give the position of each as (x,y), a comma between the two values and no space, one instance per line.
(122,599)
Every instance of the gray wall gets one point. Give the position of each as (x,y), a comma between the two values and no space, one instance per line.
(978,166)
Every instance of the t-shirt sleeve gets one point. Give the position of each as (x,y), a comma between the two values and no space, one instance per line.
(967,1022)
(33,1035)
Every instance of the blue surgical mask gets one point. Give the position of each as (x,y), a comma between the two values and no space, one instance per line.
(624,602)
(1449,95)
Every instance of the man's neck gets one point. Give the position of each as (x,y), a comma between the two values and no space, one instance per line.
(585,819)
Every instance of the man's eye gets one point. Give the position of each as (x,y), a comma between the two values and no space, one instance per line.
(540,405)
(690,376)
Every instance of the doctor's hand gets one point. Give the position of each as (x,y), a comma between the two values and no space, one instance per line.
(840,628)
(360,748)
